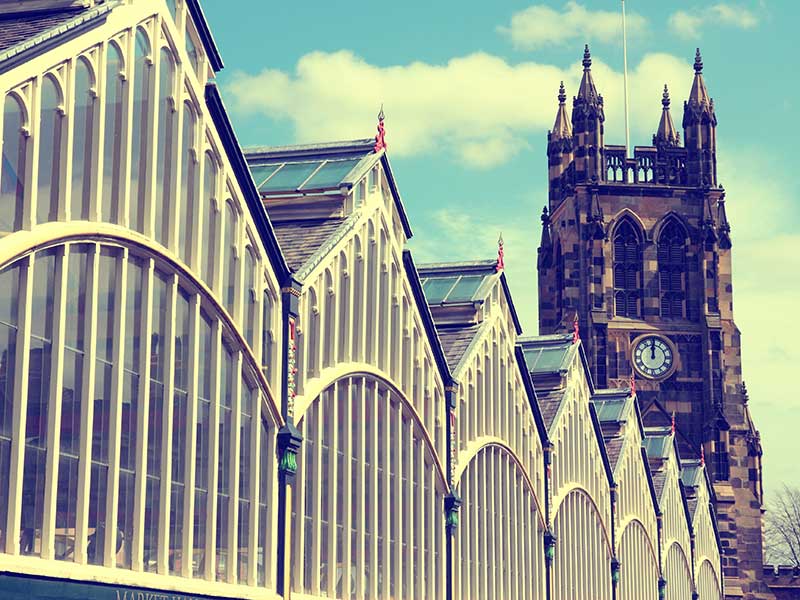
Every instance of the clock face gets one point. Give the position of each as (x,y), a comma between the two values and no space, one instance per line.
(653,357)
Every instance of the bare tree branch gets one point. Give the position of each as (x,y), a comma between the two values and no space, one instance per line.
(782,528)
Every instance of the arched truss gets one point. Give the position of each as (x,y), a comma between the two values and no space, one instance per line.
(582,567)
(677,572)
(708,586)
(138,409)
(499,548)
(369,498)
(638,563)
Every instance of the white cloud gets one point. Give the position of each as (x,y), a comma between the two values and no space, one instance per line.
(540,25)
(478,109)
(688,24)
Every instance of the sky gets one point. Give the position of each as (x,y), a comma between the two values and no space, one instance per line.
(469,91)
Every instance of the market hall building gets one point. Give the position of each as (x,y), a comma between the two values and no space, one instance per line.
(223,375)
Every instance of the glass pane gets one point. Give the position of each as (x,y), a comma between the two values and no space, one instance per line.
(331,174)
(109,198)
(438,288)
(465,289)
(260,173)
(139,137)
(164,169)
(290,176)
(188,184)
(83,123)
(210,220)
(50,132)
(191,50)
(12,176)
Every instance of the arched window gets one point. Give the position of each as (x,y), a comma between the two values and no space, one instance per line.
(12,176)
(208,247)
(672,270)
(164,166)
(313,343)
(267,336)
(627,271)
(82,141)
(50,133)
(139,131)
(559,291)
(64,484)
(344,308)
(188,185)
(231,250)
(112,146)
(329,318)
(250,297)
(358,300)
(391,544)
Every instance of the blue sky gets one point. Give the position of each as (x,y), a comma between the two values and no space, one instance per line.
(470,90)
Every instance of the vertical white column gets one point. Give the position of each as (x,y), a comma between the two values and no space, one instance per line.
(54,402)
(299,551)
(233,465)
(350,428)
(115,412)
(359,400)
(143,401)
(315,412)
(331,408)
(87,408)
(165,496)
(213,459)
(384,398)
(190,446)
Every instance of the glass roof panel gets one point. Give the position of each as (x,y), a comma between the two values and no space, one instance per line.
(290,177)
(261,172)
(545,360)
(438,287)
(610,410)
(465,289)
(657,446)
(331,174)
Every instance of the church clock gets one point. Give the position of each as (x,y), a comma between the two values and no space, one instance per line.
(653,356)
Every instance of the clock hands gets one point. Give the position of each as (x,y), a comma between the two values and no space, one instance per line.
(652,348)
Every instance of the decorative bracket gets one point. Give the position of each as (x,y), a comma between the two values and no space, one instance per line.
(615,566)
(549,546)
(452,502)
(289,441)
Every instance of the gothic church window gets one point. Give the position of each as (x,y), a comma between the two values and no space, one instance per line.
(12,176)
(50,134)
(82,140)
(627,271)
(672,270)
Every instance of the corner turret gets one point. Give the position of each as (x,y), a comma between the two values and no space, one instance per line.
(699,131)
(587,126)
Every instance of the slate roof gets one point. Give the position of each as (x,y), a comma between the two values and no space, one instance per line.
(659,481)
(549,401)
(614,449)
(16,28)
(299,240)
(455,341)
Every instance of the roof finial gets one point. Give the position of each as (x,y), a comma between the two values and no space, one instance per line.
(500,255)
(380,138)
(633,384)
(545,216)
(665,97)
(562,94)
(672,426)
(587,57)
(702,456)
(698,62)
(576,329)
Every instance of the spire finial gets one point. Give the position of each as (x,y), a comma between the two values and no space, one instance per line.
(545,216)
(587,57)
(576,329)
(665,97)
(380,138)
(500,255)
(698,62)
(562,94)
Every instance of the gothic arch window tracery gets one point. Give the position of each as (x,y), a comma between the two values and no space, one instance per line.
(12,177)
(83,116)
(139,131)
(672,270)
(627,270)
(112,158)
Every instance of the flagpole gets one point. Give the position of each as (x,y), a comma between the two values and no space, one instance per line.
(625,79)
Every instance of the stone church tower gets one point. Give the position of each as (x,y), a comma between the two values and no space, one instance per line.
(639,250)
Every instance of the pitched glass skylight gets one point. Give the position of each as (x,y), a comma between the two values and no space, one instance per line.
(289,176)
(330,175)
(547,359)
(451,288)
